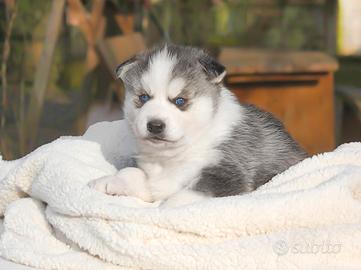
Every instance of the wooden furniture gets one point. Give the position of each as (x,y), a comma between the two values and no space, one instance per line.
(297,87)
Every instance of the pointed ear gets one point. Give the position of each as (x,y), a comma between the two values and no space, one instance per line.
(124,67)
(214,70)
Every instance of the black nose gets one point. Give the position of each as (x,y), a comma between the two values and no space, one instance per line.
(155,126)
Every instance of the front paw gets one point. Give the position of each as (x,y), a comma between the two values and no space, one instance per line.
(111,185)
(127,182)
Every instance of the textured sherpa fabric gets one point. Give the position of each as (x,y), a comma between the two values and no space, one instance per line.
(308,217)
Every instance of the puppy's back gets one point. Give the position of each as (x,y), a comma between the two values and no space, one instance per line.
(258,148)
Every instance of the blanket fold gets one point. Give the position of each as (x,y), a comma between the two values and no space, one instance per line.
(306,217)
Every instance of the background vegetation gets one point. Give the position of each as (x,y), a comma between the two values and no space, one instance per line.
(277,24)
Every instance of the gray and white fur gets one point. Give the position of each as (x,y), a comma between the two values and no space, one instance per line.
(194,139)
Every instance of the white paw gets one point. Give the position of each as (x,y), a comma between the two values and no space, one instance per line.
(110,185)
(127,182)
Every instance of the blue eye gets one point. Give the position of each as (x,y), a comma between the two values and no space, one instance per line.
(180,101)
(144,98)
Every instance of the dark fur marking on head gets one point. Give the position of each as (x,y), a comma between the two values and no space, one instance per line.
(212,68)
(193,65)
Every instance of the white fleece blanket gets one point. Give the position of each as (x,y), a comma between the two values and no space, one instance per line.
(308,217)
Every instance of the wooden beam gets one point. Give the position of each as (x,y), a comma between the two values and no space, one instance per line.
(125,23)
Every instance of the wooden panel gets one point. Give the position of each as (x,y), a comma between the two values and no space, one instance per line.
(254,61)
(287,78)
(305,108)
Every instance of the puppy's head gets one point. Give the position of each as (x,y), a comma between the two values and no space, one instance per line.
(171,94)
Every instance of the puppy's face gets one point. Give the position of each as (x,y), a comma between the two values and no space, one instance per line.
(171,94)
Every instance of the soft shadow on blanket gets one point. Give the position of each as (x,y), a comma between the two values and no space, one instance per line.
(306,217)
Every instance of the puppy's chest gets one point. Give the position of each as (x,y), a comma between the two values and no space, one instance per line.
(187,164)
(172,171)
(168,177)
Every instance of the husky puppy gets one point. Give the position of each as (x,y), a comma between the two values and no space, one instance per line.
(194,139)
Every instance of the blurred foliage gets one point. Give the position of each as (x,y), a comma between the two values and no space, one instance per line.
(349,72)
(297,29)
(25,31)
(205,23)
(26,43)
(241,23)
(19,73)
